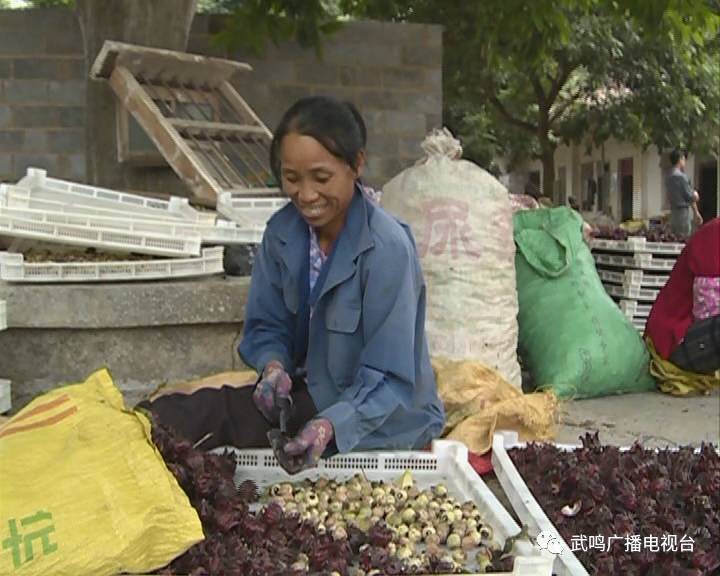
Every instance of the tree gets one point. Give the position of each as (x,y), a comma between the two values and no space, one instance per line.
(160,24)
(520,77)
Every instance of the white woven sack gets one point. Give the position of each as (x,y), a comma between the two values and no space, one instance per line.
(462,221)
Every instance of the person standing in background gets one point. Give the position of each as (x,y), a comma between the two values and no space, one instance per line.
(683,199)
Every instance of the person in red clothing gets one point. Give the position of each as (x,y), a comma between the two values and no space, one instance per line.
(684,323)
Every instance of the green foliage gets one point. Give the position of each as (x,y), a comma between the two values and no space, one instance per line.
(51,3)
(253,22)
(521,77)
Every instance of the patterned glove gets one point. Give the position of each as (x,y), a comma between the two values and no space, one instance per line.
(311,442)
(275,384)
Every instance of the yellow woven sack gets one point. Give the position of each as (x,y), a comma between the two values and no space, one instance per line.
(676,381)
(84,491)
(478,401)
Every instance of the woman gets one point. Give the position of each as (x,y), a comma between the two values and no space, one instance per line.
(684,323)
(334,322)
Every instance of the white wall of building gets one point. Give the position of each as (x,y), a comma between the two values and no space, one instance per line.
(649,172)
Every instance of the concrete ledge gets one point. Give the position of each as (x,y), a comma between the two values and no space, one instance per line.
(215,300)
(37,360)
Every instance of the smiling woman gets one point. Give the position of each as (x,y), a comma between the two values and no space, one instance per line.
(335,319)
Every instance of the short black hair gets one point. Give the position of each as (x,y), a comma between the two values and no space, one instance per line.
(337,125)
(675,156)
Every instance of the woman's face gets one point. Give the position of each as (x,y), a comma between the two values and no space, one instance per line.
(319,184)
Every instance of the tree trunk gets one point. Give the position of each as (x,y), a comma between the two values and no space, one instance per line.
(547,152)
(155,23)
(547,155)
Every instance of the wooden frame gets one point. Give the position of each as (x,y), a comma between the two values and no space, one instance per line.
(197,121)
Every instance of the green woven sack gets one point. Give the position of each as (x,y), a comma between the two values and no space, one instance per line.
(573,337)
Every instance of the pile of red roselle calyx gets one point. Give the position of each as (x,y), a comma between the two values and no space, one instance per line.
(656,513)
(271,541)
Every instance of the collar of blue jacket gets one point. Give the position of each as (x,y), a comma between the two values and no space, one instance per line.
(368,367)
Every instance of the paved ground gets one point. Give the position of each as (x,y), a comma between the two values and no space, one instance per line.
(654,419)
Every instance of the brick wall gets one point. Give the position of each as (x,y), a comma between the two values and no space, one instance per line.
(392,72)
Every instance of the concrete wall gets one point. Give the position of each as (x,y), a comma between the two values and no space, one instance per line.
(392,72)
(146,334)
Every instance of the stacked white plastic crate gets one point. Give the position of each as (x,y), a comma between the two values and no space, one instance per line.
(634,271)
(49,210)
(4,384)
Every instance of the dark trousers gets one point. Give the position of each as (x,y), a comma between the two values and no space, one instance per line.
(228,415)
(699,352)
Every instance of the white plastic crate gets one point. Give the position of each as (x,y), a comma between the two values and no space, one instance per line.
(5,396)
(636,278)
(13,268)
(640,278)
(527,507)
(632,292)
(447,463)
(222,232)
(3,315)
(635,261)
(111,240)
(248,210)
(611,276)
(637,244)
(634,309)
(41,186)
(639,323)
(26,199)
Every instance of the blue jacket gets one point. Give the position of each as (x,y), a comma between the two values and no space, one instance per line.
(368,367)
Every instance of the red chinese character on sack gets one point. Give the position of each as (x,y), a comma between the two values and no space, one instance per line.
(447,219)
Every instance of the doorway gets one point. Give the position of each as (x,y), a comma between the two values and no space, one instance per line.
(707,188)
(625,174)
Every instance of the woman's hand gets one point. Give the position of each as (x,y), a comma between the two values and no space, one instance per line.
(311,442)
(275,384)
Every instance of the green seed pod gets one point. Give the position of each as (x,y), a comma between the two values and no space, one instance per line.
(311,499)
(471,524)
(335,506)
(391,548)
(404,553)
(389,500)
(401,496)
(422,501)
(454,540)
(408,515)
(441,490)
(484,560)
(414,535)
(364,512)
(393,519)
(368,501)
(363,524)
(378,493)
(402,530)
